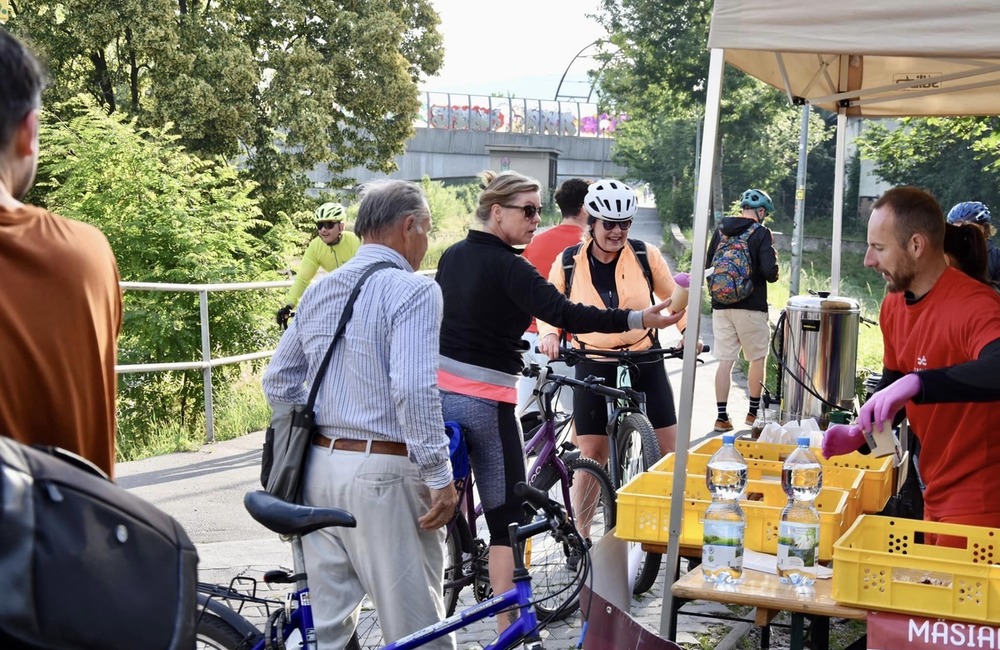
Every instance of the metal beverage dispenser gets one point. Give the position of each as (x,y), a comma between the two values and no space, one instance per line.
(819,353)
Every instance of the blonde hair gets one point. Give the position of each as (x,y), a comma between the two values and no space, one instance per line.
(499,188)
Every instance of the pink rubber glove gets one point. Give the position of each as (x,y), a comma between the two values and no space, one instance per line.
(842,439)
(885,404)
(683,279)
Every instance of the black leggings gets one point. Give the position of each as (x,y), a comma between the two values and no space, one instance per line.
(494,439)
(590,411)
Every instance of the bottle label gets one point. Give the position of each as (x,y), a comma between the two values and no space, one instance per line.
(797,546)
(723,545)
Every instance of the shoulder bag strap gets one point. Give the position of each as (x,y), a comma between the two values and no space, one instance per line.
(344,317)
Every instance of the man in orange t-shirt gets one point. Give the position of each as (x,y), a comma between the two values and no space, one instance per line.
(941,331)
(62,303)
(541,252)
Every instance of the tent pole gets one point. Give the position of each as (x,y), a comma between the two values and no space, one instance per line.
(800,202)
(685,397)
(838,200)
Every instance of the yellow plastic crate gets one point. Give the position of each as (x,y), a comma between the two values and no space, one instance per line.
(880,474)
(644,512)
(878,564)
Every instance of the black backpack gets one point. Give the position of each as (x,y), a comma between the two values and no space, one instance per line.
(85,564)
(638,247)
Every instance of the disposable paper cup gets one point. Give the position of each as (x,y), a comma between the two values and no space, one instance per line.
(882,441)
(679,299)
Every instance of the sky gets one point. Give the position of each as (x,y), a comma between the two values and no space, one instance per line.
(520,47)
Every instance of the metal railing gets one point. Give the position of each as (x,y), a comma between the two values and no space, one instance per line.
(207,362)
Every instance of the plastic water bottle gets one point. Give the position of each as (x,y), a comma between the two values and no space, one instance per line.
(798,531)
(724,523)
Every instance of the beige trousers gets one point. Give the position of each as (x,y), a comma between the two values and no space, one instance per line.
(387,556)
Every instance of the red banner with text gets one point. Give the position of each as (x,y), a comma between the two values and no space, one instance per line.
(888,631)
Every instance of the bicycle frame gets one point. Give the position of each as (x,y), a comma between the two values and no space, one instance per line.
(624,400)
(547,458)
(298,618)
(520,630)
(523,630)
(543,444)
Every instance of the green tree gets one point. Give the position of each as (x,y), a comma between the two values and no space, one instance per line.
(280,86)
(956,159)
(658,77)
(170,217)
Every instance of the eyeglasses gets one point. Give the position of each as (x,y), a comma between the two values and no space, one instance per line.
(529,210)
(610,225)
(327,225)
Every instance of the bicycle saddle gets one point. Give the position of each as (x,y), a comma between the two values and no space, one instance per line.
(291,519)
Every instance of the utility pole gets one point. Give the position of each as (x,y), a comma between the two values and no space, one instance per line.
(800,203)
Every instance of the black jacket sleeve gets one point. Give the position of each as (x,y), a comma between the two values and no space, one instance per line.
(973,381)
(765,256)
(540,298)
(712,246)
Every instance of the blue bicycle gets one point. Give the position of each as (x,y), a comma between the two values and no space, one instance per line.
(222,626)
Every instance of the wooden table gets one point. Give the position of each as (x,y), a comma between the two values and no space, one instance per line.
(769,596)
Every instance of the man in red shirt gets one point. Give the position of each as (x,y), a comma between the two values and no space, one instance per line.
(541,252)
(941,332)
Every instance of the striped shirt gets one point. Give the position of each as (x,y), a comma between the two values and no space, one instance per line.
(381,382)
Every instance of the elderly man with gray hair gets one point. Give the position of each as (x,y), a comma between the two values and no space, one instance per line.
(382,451)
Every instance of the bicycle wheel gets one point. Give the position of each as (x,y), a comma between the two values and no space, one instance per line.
(213,633)
(553,565)
(368,634)
(455,567)
(638,450)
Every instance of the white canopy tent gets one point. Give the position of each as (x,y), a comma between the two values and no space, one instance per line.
(868,58)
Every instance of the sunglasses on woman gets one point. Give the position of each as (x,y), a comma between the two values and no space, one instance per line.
(610,225)
(529,210)
(328,225)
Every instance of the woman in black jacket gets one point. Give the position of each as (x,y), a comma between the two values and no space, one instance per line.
(490,295)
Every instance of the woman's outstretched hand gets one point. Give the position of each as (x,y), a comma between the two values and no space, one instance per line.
(652,317)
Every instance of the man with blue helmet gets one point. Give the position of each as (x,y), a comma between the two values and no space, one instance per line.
(977,213)
(739,322)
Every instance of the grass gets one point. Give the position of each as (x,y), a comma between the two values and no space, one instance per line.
(238,409)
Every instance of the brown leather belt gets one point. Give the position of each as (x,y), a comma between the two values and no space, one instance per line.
(348,444)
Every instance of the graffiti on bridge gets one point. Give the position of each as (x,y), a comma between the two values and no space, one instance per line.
(516,119)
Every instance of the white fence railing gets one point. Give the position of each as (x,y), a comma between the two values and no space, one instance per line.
(207,362)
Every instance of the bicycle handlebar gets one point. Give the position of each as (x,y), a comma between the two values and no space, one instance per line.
(592,384)
(571,356)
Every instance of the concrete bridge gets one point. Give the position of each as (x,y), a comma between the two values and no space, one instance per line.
(458,136)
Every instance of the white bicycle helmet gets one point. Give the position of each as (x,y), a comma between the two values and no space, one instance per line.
(610,200)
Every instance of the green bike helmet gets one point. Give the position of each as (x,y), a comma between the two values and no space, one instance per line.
(754,199)
(329,212)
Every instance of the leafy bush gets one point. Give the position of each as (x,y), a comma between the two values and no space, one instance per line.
(170,218)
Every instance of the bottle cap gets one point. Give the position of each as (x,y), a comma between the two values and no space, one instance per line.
(728,439)
(803,441)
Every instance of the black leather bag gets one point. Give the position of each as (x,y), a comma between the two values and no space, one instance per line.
(85,564)
(286,443)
